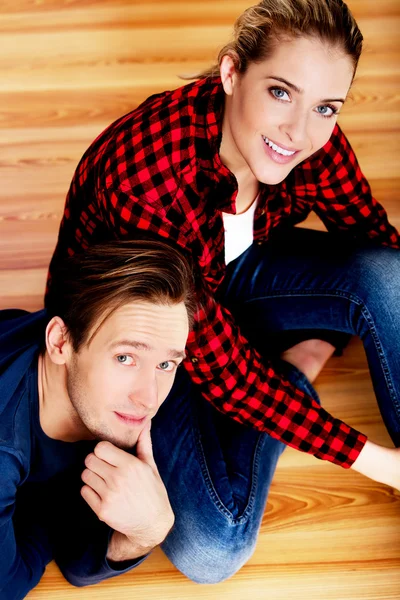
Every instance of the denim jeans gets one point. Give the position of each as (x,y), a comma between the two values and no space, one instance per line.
(218,472)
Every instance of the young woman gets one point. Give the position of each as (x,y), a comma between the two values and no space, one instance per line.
(224,167)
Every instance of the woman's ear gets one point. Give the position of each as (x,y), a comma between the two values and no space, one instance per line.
(58,345)
(228,72)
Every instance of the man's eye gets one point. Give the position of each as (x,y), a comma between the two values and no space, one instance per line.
(167,365)
(125,359)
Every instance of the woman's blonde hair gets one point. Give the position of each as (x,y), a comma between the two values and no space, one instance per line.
(261,27)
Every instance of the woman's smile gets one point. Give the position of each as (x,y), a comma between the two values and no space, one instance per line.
(277,153)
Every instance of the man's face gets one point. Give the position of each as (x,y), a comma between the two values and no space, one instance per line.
(118,381)
(263,110)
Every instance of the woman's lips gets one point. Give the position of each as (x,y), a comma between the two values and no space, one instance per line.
(130,419)
(275,156)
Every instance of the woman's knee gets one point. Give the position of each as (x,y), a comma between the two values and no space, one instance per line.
(376,274)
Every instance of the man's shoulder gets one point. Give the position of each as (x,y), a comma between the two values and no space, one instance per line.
(19,330)
(21,336)
(8,315)
(15,424)
(15,440)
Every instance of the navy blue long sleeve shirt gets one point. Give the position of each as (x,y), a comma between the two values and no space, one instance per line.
(42,515)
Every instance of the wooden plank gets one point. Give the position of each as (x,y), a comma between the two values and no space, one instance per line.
(68,68)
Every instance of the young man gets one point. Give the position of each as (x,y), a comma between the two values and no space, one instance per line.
(79,385)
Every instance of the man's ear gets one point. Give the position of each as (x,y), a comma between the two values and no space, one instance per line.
(58,344)
(228,72)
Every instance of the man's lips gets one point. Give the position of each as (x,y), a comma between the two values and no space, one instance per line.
(130,419)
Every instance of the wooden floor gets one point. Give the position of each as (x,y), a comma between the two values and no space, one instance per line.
(67,69)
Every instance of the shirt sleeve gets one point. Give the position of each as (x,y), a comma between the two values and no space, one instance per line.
(80,539)
(46,520)
(83,561)
(344,201)
(24,552)
(241,383)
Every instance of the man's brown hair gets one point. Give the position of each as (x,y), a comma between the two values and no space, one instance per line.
(87,287)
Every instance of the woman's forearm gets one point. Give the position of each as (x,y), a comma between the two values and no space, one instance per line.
(379,463)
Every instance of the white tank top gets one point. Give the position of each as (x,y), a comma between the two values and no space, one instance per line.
(238,232)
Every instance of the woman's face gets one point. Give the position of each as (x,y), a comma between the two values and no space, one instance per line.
(289,101)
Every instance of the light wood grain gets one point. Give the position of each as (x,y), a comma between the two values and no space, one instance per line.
(68,68)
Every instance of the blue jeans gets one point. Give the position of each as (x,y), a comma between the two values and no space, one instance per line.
(218,472)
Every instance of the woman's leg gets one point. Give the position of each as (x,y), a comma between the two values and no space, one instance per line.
(217,473)
(304,279)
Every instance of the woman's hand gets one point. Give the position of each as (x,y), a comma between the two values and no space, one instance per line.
(396,468)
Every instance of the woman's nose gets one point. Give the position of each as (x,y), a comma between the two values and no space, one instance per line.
(295,129)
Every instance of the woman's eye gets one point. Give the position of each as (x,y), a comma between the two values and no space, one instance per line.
(167,366)
(279,93)
(125,359)
(326,111)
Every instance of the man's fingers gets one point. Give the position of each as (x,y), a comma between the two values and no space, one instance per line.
(93,499)
(94,481)
(110,454)
(102,468)
(144,447)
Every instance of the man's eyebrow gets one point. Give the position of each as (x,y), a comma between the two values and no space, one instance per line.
(299,90)
(142,346)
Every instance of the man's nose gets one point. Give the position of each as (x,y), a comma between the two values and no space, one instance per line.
(144,395)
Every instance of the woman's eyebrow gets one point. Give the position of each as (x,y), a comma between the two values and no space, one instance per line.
(299,90)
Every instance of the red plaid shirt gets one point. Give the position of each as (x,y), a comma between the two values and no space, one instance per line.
(158,169)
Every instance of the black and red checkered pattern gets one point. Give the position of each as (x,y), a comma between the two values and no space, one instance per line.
(158,169)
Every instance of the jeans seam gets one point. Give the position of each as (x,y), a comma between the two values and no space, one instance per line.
(207,478)
(240,520)
(254,478)
(368,318)
(383,361)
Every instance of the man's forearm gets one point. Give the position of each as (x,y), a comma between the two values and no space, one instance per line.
(121,548)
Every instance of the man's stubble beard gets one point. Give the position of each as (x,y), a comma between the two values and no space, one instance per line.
(81,416)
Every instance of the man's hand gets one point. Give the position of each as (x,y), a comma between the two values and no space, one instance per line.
(127,493)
